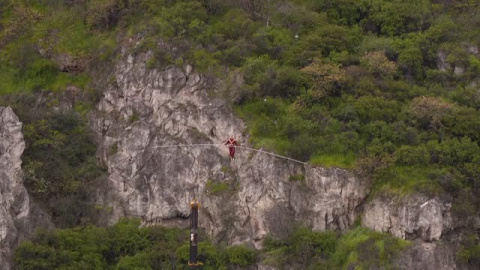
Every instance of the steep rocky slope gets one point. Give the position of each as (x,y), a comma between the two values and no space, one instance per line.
(20,216)
(243,200)
(427,221)
(142,125)
(14,200)
(146,110)
(411,217)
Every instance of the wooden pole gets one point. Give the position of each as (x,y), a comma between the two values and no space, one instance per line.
(193,263)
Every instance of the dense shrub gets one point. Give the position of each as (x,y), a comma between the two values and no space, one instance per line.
(60,166)
(326,250)
(412,155)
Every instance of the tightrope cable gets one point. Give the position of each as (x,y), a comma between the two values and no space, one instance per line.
(187,145)
(270,153)
(240,147)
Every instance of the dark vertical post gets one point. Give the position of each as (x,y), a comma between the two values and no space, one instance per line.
(193,263)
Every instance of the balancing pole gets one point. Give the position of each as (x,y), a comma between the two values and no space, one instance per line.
(193,263)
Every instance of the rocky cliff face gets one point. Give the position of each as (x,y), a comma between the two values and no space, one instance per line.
(430,256)
(146,118)
(14,200)
(242,200)
(410,217)
(426,221)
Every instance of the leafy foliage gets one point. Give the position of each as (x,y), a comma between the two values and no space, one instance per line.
(60,166)
(365,249)
(123,246)
(387,87)
(359,248)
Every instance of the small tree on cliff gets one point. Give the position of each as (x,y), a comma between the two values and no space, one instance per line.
(431,110)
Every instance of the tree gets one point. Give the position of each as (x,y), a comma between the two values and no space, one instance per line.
(378,64)
(432,110)
(326,77)
(103,13)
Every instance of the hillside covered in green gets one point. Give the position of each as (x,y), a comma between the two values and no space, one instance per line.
(387,88)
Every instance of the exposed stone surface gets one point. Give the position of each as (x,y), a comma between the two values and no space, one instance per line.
(19,215)
(265,267)
(432,256)
(14,200)
(459,70)
(422,255)
(147,110)
(410,217)
(473,49)
(442,63)
(150,109)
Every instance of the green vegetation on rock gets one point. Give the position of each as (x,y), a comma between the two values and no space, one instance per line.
(128,246)
(123,246)
(359,248)
(217,188)
(388,88)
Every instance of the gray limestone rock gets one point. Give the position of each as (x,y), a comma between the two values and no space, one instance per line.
(442,63)
(441,254)
(14,200)
(151,109)
(145,125)
(410,217)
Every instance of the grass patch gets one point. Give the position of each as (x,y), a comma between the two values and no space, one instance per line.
(226,169)
(217,188)
(62,31)
(403,180)
(338,161)
(68,33)
(22,69)
(133,118)
(297,178)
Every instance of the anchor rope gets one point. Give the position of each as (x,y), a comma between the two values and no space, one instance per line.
(240,147)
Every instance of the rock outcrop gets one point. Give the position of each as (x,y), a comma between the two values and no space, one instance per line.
(429,256)
(14,200)
(147,111)
(426,221)
(409,217)
(145,126)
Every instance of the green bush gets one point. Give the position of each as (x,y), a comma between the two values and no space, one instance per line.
(240,256)
(123,246)
(60,165)
(302,248)
(469,252)
(371,108)
(365,249)
(453,151)
(412,155)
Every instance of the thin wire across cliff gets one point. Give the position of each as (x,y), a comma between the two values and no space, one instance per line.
(239,147)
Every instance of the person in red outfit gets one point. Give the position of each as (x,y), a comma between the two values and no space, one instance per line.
(231,146)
